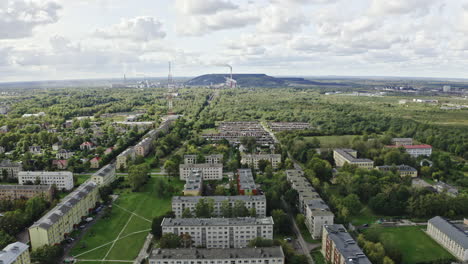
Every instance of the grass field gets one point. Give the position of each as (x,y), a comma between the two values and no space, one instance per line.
(365,216)
(131,229)
(318,257)
(334,141)
(414,244)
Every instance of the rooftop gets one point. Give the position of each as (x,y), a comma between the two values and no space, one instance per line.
(104,171)
(245,198)
(217,253)
(9,163)
(346,245)
(346,154)
(423,146)
(240,221)
(201,165)
(46,173)
(398,167)
(11,252)
(457,232)
(26,187)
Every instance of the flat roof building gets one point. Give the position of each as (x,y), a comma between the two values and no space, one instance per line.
(209,171)
(245,182)
(61,179)
(339,247)
(253,159)
(258,202)
(14,192)
(402,170)
(124,157)
(402,141)
(12,168)
(15,253)
(194,183)
(104,176)
(59,222)
(415,150)
(261,255)
(452,236)
(343,156)
(220,232)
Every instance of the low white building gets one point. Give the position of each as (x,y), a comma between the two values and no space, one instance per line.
(452,236)
(220,232)
(416,150)
(209,171)
(62,179)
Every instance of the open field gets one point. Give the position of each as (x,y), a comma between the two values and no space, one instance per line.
(414,244)
(334,141)
(129,222)
(365,216)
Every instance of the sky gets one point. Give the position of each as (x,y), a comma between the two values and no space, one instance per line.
(83,39)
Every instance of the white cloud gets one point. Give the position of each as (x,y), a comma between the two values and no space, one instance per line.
(203,7)
(387,7)
(18,18)
(281,20)
(136,29)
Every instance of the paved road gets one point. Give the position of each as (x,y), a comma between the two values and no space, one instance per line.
(142,255)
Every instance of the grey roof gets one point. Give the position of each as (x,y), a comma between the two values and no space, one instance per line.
(346,245)
(246,180)
(11,252)
(240,221)
(349,157)
(217,253)
(26,187)
(219,199)
(451,230)
(398,167)
(194,181)
(67,174)
(104,171)
(201,165)
(9,163)
(65,205)
(262,156)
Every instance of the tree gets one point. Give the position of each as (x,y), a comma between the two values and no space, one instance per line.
(280,218)
(262,164)
(47,254)
(220,190)
(269,172)
(5,239)
(171,168)
(138,175)
(352,203)
(261,242)
(170,240)
(239,209)
(187,213)
(156,224)
(204,208)
(226,209)
(387,260)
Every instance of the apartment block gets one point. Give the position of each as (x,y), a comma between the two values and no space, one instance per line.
(338,247)
(209,171)
(253,159)
(15,253)
(402,141)
(62,179)
(194,183)
(220,232)
(59,222)
(104,176)
(124,157)
(343,156)
(190,159)
(258,202)
(14,192)
(234,131)
(288,126)
(143,147)
(12,168)
(214,158)
(452,236)
(265,255)
(403,170)
(416,150)
(245,182)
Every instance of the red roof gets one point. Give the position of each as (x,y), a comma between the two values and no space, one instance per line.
(87,143)
(62,162)
(96,159)
(423,146)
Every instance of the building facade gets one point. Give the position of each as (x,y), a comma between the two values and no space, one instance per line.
(253,159)
(209,171)
(451,236)
(402,170)
(338,247)
(220,232)
(257,202)
(15,253)
(214,158)
(11,168)
(62,179)
(143,147)
(14,192)
(124,157)
(343,156)
(104,176)
(402,141)
(266,255)
(64,154)
(416,150)
(59,222)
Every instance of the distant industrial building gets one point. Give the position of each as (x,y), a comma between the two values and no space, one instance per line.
(245,182)
(254,159)
(257,202)
(59,222)
(15,192)
(402,170)
(104,176)
(268,255)
(61,179)
(220,232)
(416,150)
(15,253)
(194,183)
(339,247)
(343,156)
(209,171)
(452,236)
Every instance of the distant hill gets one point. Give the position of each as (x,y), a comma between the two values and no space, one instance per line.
(255,80)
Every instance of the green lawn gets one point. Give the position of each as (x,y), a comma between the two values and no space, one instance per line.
(365,216)
(414,244)
(318,257)
(334,141)
(145,204)
(81,178)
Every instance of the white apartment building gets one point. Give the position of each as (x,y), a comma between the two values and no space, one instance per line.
(209,171)
(220,232)
(253,159)
(15,253)
(265,255)
(339,247)
(62,179)
(343,156)
(12,168)
(452,236)
(124,157)
(104,176)
(214,158)
(258,202)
